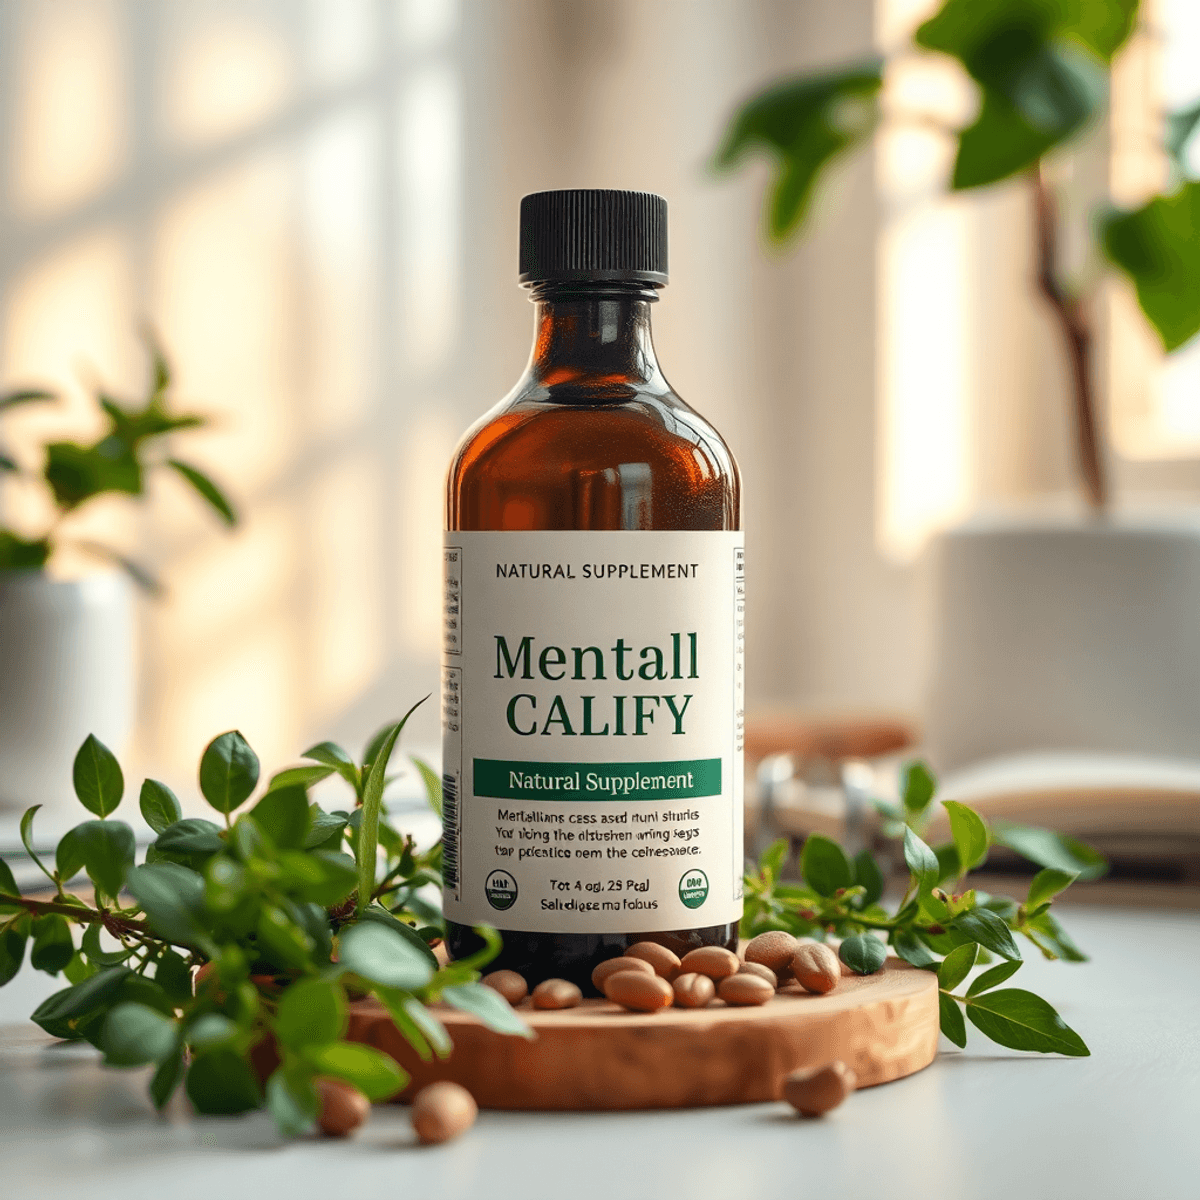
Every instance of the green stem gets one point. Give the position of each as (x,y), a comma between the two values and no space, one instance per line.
(41,908)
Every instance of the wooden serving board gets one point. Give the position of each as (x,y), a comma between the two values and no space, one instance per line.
(599,1056)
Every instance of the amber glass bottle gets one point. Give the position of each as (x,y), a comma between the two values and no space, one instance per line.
(592,679)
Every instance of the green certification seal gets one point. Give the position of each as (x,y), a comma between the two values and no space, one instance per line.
(501,889)
(693,888)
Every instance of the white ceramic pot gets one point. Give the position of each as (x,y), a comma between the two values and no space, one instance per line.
(66,670)
(1058,633)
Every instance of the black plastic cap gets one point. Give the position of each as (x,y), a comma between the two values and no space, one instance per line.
(593,234)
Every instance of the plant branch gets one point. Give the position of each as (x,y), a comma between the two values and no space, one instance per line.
(1077,335)
(115,924)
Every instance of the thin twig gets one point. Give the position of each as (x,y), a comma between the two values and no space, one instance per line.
(1077,334)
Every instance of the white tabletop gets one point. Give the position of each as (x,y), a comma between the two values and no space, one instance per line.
(980,1123)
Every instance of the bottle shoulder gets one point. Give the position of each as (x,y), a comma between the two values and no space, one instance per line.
(547,451)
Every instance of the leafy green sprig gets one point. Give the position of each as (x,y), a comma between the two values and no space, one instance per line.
(132,444)
(236,948)
(940,924)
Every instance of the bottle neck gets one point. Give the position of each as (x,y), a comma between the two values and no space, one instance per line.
(594,340)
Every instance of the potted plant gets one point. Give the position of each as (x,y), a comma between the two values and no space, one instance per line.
(1072,632)
(67,644)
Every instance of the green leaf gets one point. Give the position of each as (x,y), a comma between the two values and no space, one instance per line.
(430,1027)
(76,473)
(824,865)
(167,1079)
(332,755)
(228,771)
(432,781)
(17,554)
(292,1100)
(381,915)
(68,855)
(99,783)
(324,877)
(1047,884)
(24,396)
(863,953)
(922,862)
(174,976)
(52,945)
(1050,849)
(108,851)
(312,1011)
(970,834)
(134,1034)
(956,966)
(1158,247)
(282,814)
(917,786)
(8,884)
(909,948)
(1180,127)
(952,1023)
(210,1029)
(949,865)
(803,124)
(380,954)
(376,1075)
(489,1006)
(96,954)
(1052,933)
(159,806)
(303,777)
(993,977)
(173,900)
(281,940)
(868,874)
(1023,1021)
(368,834)
(208,490)
(221,1082)
(27,839)
(985,927)
(12,952)
(191,835)
(83,997)
(325,829)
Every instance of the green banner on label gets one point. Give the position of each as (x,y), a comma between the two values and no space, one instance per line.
(682,780)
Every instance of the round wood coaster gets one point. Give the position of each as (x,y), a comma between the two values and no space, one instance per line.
(599,1056)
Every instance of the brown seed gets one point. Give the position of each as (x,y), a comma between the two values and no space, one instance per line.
(509,984)
(714,961)
(341,1107)
(745,989)
(442,1111)
(611,966)
(647,993)
(692,990)
(816,968)
(815,1091)
(773,949)
(759,972)
(665,962)
(556,993)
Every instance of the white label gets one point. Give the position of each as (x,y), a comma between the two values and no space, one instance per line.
(592,714)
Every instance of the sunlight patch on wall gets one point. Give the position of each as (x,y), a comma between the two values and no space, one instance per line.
(340,39)
(223,283)
(925,446)
(221,74)
(429,176)
(70,137)
(67,325)
(347,646)
(425,24)
(429,441)
(341,234)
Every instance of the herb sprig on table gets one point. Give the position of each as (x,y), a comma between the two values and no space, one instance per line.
(940,924)
(234,949)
